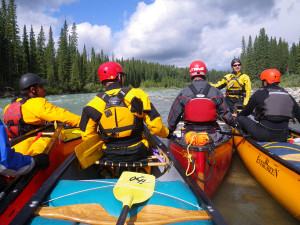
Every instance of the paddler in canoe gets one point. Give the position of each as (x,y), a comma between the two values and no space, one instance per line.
(198,104)
(273,107)
(117,115)
(31,110)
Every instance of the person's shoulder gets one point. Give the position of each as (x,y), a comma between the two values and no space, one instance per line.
(245,75)
(37,100)
(137,91)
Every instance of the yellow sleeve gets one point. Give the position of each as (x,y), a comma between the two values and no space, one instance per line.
(151,117)
(48,112)
(247,83)
(221,82)
(90,130)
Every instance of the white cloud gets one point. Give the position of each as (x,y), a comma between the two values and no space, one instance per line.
(177,32)
(95,36)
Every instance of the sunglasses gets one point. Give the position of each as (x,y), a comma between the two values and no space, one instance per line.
(236,65)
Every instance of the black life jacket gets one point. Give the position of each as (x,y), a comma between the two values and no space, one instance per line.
(279,103)
(13,118)
(118,122)
(200,108)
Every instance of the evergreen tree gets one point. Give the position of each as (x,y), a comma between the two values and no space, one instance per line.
(84,63)
(73,44)
(75,73)
(41,45)
(63,56)
(298,58)
(260,53)
(32,52)
(292,59)
(50,60)
(13,43)
(283,61)
(26,54)
(3,44)
(274,53)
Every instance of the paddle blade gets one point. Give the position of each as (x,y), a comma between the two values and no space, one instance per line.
(89,151)
(133,188)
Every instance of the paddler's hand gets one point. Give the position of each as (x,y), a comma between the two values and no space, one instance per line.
(172,136)
(41,161)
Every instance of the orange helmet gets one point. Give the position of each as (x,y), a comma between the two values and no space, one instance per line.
(271,76)
(197,68)
(109,71)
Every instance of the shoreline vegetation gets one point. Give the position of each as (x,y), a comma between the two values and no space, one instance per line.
(70,70)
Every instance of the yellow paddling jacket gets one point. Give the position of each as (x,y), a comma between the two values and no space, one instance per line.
(36,111)
(139,109)
(237,86)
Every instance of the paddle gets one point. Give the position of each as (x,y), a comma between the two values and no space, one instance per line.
(89,151)
(133,188)
(92,213)
(291,157)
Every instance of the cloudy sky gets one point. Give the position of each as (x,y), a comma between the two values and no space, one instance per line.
(173,32)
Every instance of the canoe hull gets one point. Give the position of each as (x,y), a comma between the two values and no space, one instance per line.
(273,173)
(69,187)
(208,166)
(58,152)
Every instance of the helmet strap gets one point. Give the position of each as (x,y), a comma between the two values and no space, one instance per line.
(120,79)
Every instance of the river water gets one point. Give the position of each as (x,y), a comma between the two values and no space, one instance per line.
(239,199)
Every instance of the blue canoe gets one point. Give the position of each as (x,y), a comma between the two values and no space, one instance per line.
(75,196)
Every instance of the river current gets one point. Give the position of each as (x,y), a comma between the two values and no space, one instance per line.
(239,199)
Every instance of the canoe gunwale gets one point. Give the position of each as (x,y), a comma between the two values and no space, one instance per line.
(23,181)
(270,154)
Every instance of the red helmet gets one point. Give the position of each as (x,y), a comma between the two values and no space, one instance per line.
(197,68)
(271,76)
(109,71)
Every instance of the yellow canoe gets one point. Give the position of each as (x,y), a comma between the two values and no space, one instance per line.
(276,166)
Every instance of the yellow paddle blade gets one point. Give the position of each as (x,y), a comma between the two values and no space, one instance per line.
(133,188)
(55,124)
(89,151)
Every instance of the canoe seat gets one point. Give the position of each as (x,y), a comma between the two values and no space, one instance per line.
(112,169)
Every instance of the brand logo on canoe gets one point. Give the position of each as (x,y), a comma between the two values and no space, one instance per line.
(139,180)
(265,164)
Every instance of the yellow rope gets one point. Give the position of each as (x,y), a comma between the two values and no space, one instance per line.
(189,158)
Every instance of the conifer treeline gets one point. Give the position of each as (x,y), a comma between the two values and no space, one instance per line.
(265,53)
(68,70)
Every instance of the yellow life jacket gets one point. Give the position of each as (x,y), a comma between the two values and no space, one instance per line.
(117,121)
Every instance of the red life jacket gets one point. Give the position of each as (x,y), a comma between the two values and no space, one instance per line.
(13,118)
(200,108)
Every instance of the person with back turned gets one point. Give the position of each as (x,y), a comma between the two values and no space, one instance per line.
(198,105)
(273,107)
(118,115)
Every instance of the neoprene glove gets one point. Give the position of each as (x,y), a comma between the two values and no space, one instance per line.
(172,136)
(41,161)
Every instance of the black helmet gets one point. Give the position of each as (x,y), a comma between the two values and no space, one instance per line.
(235,60)
(30,79)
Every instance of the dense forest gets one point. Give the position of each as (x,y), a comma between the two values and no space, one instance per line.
(68,70)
